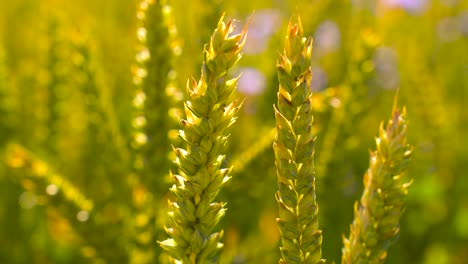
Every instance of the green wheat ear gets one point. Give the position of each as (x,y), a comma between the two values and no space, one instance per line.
(151,102)
(376,217)
(210,111)
(294,152)
(150,125)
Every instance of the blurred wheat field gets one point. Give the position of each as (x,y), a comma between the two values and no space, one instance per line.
(88,121)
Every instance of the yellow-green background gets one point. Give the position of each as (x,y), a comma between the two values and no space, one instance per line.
(426,51)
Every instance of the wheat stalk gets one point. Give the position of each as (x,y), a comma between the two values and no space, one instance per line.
(294,152)
(151,124)
(376,217)
(210,111)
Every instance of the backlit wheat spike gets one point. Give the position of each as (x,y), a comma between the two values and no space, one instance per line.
(301,239)
(210,111)
(151,123)
(151,104)
(376,216)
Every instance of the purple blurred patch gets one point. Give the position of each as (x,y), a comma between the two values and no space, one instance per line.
(411,6)
(449,29)
(264,23)
(327,38)
(386,68)
(463,22)
(252,81)
(319,79)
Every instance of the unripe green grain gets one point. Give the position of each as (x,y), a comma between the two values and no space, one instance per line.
(209,112)
(376,217)
(294,151)
(151,72)
(154,98)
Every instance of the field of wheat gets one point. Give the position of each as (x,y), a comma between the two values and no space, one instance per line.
(210,131)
